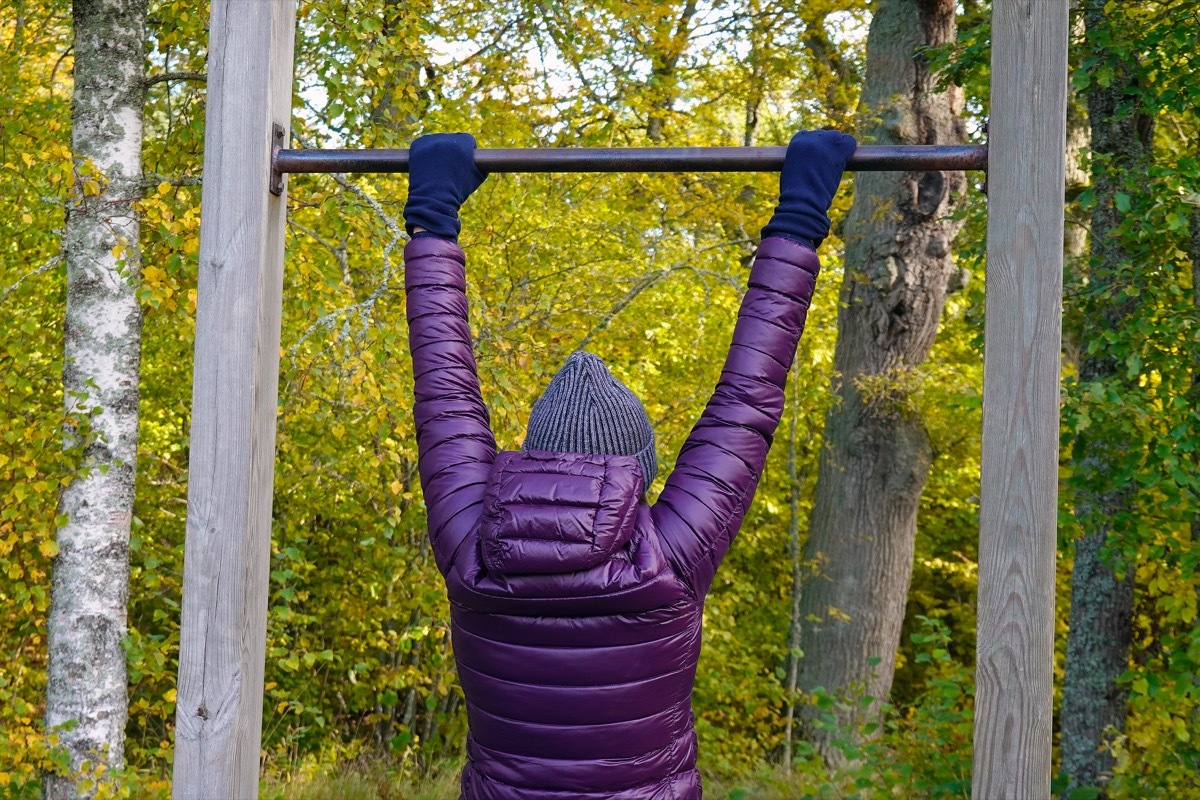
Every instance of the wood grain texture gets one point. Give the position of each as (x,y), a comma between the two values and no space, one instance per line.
(226,556)
(1023,329)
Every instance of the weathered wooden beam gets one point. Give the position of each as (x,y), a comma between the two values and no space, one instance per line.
(218,722)
(1022,335)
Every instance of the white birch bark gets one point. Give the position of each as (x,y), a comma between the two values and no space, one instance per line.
(86,690)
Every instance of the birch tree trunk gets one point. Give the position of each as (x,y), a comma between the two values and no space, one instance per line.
(1101,627)
(877,453)
(86,685)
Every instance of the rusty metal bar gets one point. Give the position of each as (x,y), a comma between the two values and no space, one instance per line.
(875,158)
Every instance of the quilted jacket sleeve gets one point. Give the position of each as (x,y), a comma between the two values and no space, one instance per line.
(707,494)
(454,437)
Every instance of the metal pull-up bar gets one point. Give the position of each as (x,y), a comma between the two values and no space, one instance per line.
(868,158)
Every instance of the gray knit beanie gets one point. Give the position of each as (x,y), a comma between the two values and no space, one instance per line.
(586,410)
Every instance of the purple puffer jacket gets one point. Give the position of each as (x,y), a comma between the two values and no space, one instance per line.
(576,606)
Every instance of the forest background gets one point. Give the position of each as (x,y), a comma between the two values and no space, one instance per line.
(646,271)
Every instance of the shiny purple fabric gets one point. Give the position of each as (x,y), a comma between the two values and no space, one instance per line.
(576,606)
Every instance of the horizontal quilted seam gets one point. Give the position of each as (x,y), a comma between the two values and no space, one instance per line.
(633,790)
(679,711)
(512,601)
(654,782)
(645,719)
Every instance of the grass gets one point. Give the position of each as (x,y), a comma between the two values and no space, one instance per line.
(361,780)
(377,780)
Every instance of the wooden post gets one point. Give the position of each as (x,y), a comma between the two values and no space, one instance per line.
(218,719)
(1022,335)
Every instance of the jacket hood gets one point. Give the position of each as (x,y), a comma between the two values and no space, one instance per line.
(552,513)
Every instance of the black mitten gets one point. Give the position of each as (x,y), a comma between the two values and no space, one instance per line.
(441,176)
(812,169)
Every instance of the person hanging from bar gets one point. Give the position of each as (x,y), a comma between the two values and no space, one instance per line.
(575,604)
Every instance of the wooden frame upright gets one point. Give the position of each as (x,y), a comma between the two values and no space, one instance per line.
(227,553)
(1018,517)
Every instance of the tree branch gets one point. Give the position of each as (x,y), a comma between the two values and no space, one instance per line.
(170,77)
(153,179)
(364,308)
(647,281)
(44,268)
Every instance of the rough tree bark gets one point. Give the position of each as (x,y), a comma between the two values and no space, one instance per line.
(877,453)
(1100,636)
(86,682)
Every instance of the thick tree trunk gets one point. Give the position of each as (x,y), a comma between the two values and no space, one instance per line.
(1100,636)
(86,686)
(877,452)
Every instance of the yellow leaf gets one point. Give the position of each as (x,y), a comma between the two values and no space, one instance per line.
(48,548)
(170,696)
(396,486)
(164,187)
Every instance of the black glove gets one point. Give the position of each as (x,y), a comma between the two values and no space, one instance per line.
(441,176)
(812,169)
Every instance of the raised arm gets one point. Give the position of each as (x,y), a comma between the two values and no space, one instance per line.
(454,437)
(706,496)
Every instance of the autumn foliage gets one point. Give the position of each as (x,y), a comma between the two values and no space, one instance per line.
(644,270)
